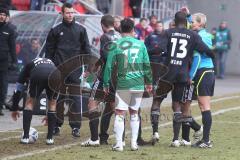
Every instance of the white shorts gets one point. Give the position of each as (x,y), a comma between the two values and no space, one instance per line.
(126,99)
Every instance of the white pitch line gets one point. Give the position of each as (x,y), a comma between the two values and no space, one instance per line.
(78,143)
(8,138)
(212,101)
(226,122)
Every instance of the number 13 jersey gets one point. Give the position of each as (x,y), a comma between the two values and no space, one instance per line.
(180,44)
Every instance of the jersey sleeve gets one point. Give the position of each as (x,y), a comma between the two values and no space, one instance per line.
(201,47)
(146,67)
(111,59)
(25,73)
(195,64)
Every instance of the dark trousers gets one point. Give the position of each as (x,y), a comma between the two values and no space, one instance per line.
(74,111)
(3,87)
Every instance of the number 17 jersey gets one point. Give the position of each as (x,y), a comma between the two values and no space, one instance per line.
(130,57)
(180,44)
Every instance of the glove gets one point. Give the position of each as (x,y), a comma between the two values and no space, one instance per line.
(13,105)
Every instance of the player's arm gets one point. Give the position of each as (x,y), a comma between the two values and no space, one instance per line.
(195,64)
(104,47)
(188,17)
(20,87)
(201,47)
(147,70)
(111,59)
(84,41)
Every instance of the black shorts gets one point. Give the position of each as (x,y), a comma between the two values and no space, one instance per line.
(188,93)
(204,82)
(98,94)
(40,81)
(181,92)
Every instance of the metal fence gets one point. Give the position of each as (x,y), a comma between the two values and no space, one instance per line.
(161,8)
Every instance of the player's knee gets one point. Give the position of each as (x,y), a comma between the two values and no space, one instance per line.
(176,107)
(157,101)
(132,111)
(52,105)
(120,112)
(29,104)
(134,117)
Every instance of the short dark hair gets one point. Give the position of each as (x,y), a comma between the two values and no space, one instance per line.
(107,21)
(4,10)
(127,25)
(180,18)
(66,5)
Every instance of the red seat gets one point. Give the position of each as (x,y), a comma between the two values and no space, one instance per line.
(22,5)
(80,8)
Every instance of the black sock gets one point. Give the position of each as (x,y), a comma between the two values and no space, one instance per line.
(185,131)
(154,121)
(93,124)
(194,125)
(27,118)
(123,136)
(51,123)
(104,125)
(207,123)
(140,128)
(176,126)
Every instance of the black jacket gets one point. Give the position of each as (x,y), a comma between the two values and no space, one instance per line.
(65,41)
(154,43)
(7,46)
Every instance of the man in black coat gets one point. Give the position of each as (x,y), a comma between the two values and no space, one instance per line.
(7,47)
(68,40)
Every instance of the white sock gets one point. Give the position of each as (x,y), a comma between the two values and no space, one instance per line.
(134,124)
(119,128)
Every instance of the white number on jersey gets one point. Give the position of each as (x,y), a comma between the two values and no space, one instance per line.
(183,43)
(133,52)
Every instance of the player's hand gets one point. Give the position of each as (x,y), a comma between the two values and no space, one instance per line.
(45,121)
(149,88)
(185,10)
(86,74)
(15,115)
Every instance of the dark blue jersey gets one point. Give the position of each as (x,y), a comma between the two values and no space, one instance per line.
(38,67)
(180,44)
